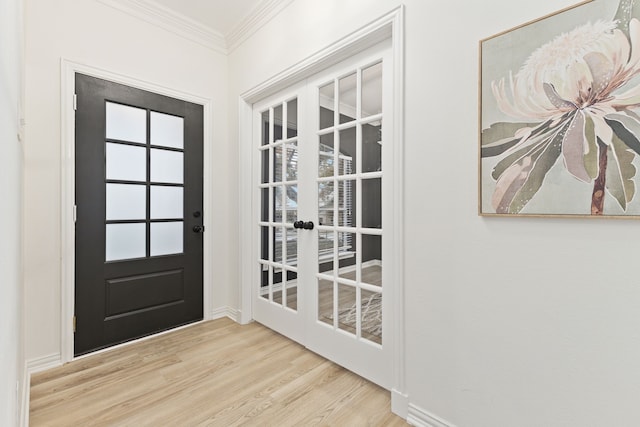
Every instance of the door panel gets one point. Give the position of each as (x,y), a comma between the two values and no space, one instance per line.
(139,203)
(277,296)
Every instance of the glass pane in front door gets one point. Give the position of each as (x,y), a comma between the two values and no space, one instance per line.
(279,204)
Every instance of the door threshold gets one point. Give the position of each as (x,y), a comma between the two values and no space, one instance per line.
(137,340)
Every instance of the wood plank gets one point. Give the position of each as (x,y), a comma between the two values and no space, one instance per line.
(215,373)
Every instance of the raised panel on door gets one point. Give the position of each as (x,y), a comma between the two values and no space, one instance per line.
(139,204)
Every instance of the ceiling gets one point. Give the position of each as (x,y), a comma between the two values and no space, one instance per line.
(221,16)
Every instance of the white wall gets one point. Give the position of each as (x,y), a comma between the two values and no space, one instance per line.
(94,34)
(11,343)
(510,322)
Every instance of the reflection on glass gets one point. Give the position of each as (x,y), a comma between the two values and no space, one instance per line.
(292,247)
(166,202)
(166,238)
(347,100)
(167,130)
(292,162)
(347,158)
(371,259)
(292,118)
(372,90)
(326,241)
(278,246)
(167,166)
(264,205)
(371,148)
(327,105)
(126,201)
(292,290)
(346,252)
(126,162)
(126,123)
(326,196)
(347,308)
(265,166)
(264,281)
(278,123)
(264,243)
(125,241)
(346,203)
(372,203)
(278,203)
(277,285)
(265,127)
(325,301)
(277,164)
(291,206)
(371,316)
(326,156)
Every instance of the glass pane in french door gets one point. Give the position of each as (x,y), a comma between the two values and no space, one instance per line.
(350,224)
(279,204)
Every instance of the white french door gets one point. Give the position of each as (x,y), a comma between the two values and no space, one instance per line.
(322,188)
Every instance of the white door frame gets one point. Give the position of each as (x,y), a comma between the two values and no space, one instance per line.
(68,72)
(388,26)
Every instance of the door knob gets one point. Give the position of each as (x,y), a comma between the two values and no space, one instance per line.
(308,225)
(198,228)
(298,224)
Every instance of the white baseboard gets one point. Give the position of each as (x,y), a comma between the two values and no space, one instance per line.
(399,404)
(31,367)
(229,312)
(43,363)
(25,398)
(422,418)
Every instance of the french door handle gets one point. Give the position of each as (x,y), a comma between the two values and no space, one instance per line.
(301,224)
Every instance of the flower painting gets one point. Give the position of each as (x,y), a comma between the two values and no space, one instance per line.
(560,114)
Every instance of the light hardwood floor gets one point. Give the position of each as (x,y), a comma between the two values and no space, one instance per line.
(215,373)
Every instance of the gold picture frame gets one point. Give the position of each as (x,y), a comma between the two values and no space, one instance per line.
(559,115)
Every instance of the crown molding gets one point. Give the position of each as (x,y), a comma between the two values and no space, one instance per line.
(264,12)
(165,18)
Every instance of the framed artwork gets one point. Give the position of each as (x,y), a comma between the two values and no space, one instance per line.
(560,114)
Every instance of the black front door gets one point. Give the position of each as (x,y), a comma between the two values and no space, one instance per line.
(139,223)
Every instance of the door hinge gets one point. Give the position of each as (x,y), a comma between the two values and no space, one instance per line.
(75,213)
(75,102)
(74,324)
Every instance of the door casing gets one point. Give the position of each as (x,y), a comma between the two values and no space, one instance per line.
(67,303)
(388,26)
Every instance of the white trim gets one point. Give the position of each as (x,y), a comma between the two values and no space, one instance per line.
(40,364)
(163,17)
(422,418)
(367,36)
(398,324)
(388,26)
(229,312)
(399,403)
(24,403)
(68,71)
(31,367)
(264,12)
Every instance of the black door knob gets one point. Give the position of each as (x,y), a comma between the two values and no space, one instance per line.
(298,224)
(198,228)
(308,225)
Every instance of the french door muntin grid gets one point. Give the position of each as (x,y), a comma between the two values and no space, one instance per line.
(342,179)
(153,221)
(279,186)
